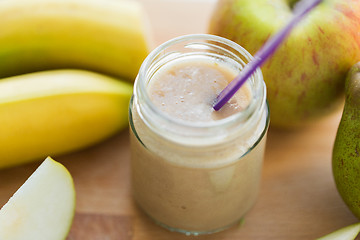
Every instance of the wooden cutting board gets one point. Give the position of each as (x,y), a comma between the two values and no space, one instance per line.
(298,198)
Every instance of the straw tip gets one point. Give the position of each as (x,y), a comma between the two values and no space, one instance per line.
(218,103)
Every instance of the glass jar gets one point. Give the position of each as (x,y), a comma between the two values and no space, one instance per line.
(193,177)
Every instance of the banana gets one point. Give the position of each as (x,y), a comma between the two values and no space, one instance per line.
(58,111)
(105,36)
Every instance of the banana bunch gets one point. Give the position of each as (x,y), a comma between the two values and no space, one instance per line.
(66,68)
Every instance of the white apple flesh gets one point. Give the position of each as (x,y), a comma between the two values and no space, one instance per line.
(42,208)
(346,233)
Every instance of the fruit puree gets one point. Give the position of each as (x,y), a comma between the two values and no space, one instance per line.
(192,186)
(186,90)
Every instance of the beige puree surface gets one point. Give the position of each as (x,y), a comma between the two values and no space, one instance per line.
(195,189)
(186,90)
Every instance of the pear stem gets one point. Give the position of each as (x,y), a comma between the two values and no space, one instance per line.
(300,10)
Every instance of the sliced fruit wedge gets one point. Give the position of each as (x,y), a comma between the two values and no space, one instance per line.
(42,208)
(346,233)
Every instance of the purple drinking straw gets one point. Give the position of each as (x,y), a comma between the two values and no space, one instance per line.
(300,10)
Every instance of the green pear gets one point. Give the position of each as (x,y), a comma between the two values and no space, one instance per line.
(346,150)
(305,76)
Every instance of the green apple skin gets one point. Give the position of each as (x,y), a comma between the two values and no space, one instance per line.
(305,76)
(346,150)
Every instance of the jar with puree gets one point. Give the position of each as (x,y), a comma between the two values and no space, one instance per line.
(196,170)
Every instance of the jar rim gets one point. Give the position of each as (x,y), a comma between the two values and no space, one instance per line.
(257,103)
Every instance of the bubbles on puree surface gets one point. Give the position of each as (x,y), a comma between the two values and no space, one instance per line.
(186,90)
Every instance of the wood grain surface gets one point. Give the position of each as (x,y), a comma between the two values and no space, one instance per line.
(298,198)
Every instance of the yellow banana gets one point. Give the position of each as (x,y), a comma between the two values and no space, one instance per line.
(106,36)
(58,111)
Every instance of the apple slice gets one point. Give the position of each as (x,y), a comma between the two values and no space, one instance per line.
(42,208)
(346,233)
